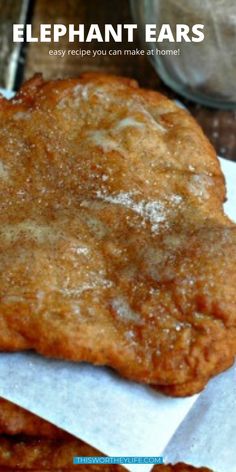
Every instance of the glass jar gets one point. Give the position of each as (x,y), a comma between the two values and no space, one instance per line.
(201,71)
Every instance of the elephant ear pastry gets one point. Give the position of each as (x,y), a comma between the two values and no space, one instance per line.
(114,247)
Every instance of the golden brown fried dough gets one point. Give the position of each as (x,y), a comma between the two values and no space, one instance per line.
(14,420)
(57,455)
(114,248)
(47,454)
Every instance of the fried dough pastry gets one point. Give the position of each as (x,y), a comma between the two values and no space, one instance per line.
(15,420)
(57,455)
(48,454)
(114,247)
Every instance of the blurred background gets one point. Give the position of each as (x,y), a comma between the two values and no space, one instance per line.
(18,62)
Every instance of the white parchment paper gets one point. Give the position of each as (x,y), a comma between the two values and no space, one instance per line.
(207,436)
(119,417)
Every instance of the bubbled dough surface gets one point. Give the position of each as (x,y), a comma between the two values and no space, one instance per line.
(114,246)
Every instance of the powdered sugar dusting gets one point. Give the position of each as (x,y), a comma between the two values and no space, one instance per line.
(122,308)
(81,250)
(129,121)
(4,175)
(199,185)
(79,92)
(152,211)
(102,139)
(82,91)
(153,122)
(176,199)
(22,115)
(97,282)
(28,228)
